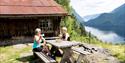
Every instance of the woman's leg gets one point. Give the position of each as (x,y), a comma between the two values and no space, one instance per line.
(52,51)
(36,50)
(46,50)
(55,52)
(58,53)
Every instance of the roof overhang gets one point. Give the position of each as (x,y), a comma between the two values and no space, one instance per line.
(30,8)
(29,15)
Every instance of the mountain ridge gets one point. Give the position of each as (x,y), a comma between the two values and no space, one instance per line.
(115,18)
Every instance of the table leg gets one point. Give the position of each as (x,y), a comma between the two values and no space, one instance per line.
(80,58)
(67,56)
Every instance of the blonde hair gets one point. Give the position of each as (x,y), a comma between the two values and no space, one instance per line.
(37,30)
(64,28)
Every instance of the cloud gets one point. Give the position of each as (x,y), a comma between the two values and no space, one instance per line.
(90,7)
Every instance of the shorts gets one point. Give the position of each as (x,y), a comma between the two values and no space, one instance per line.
(39,49)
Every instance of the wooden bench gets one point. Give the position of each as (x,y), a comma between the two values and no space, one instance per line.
(82,53)
(45,58)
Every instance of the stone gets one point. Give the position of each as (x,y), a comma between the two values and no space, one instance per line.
(19,46)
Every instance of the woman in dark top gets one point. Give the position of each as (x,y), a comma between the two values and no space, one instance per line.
(63,36)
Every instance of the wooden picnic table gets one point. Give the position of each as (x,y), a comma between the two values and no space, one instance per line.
(51,38)
(66,47)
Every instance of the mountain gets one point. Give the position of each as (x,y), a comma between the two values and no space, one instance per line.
(78,17)
(114,21)
(89,17)
(115,18)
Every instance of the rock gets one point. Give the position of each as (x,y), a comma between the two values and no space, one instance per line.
(104,51)
(26,54)
(19,46)
(112,60)
(95,58)
(99,58)
(99,55)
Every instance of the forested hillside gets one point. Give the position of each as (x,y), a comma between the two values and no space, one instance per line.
(74,27)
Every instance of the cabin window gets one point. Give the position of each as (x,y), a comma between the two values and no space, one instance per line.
(46,25)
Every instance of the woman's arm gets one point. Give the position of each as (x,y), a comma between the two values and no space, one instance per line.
(44,41)
(38,39)
(66,36)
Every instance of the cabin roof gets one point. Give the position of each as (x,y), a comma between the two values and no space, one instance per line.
(33,7)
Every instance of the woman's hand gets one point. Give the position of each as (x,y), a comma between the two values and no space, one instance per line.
(38,38)
(44,41)
(43,44)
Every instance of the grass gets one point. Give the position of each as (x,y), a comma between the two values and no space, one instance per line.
(117,51)
(9,54)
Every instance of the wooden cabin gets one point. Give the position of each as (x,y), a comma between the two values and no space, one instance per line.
(22,17)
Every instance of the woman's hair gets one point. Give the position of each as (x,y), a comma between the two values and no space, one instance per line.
(37,30)
(64,28)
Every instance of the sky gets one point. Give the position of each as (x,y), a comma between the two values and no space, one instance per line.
(92,7)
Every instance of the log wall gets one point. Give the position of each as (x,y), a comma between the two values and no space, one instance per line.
(10,27)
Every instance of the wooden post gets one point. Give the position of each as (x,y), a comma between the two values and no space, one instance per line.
(80,58)
(67,57)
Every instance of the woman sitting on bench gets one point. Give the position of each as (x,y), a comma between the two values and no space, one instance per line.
(39,44)
(63,36)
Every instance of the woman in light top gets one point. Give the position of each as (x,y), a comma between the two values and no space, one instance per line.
(39,44)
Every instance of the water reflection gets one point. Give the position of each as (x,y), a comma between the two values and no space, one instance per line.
(106,36)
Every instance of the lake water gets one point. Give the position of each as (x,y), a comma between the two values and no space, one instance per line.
(106,35)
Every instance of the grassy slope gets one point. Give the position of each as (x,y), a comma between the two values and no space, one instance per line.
(76,31)
(9,54)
